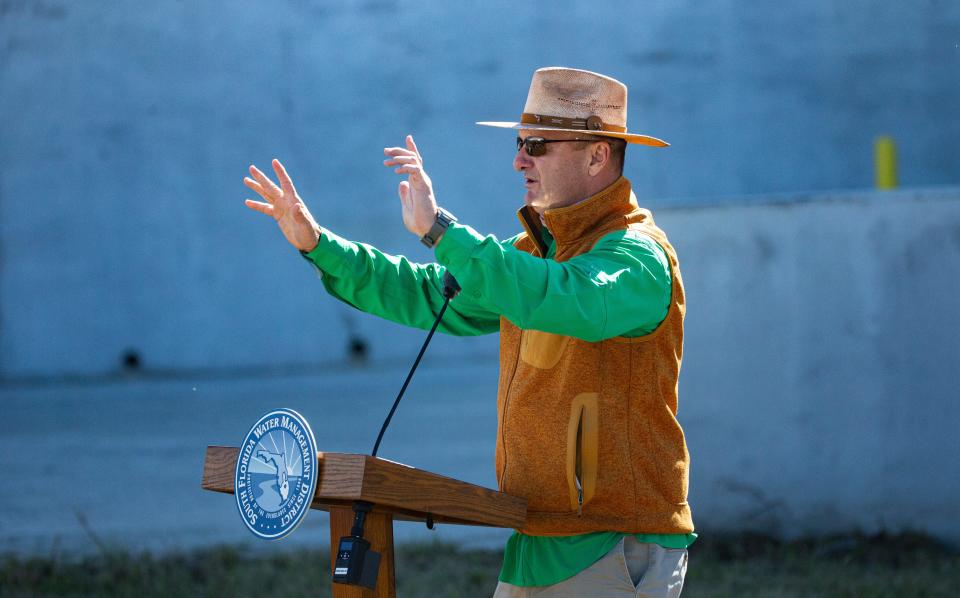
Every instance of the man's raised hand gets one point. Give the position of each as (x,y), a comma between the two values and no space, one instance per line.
(285,206)
(416,193)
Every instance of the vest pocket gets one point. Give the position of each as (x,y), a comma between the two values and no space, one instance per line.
(542,349)
(583,440)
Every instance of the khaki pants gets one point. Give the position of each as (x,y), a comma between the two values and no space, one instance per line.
(630,569)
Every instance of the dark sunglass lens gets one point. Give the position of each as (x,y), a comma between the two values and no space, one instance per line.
(535,147)
(519,143)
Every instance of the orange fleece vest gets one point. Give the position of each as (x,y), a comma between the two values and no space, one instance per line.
(587,431)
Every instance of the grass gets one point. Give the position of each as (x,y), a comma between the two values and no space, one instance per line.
(729,565)
(908,565)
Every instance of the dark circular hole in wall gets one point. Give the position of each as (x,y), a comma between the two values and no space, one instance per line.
(357,349)
(130,360)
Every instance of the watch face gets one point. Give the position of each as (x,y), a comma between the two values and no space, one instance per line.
(445,217)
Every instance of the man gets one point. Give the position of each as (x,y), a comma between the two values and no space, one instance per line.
(589,304)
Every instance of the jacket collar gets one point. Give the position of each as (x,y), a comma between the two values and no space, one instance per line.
(574,221)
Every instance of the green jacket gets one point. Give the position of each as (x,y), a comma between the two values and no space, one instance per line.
(621,287)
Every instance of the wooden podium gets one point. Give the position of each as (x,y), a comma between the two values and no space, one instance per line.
(397,492)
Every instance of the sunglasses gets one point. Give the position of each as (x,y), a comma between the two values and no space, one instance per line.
(537,146)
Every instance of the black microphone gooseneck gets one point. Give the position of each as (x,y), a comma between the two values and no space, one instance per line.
(356,564)
(450,290)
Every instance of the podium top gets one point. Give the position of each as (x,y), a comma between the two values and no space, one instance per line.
(406,492)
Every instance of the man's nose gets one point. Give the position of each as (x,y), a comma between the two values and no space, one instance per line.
(522,160)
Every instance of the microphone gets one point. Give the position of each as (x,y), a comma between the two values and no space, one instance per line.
(451,288)
(355,563)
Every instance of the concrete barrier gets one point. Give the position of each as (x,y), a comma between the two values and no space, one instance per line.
(820,380)
(819,389)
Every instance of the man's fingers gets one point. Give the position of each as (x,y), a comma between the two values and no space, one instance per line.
(285,183)
(398,151)
(400,160)
(258,188)
(265,182)
(409,169)
(261,207)
(404,191)
(412,146)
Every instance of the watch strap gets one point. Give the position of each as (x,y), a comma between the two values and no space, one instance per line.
(443,220)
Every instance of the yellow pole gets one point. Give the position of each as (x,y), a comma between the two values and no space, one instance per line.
(885,162)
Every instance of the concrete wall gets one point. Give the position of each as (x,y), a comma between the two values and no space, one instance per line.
(818,395)
(128,127)
(819,385)
(820,379)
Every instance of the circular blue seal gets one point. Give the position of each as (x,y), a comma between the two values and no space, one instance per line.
(276,474)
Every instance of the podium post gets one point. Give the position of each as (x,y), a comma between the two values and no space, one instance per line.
(396,491)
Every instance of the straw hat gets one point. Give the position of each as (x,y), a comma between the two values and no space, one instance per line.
(565,99)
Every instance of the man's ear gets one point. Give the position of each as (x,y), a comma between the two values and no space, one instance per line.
(599,158)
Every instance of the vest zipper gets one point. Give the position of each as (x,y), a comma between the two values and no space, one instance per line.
(579,498)
(541,251)
(503,416)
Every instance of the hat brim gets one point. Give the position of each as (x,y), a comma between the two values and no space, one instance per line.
(628,137)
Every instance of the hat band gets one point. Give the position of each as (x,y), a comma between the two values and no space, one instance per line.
(592,123)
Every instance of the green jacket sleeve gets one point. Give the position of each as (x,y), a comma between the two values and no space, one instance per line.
(395,288)
(621,287)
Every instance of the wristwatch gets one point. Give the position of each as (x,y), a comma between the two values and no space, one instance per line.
(444,219)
